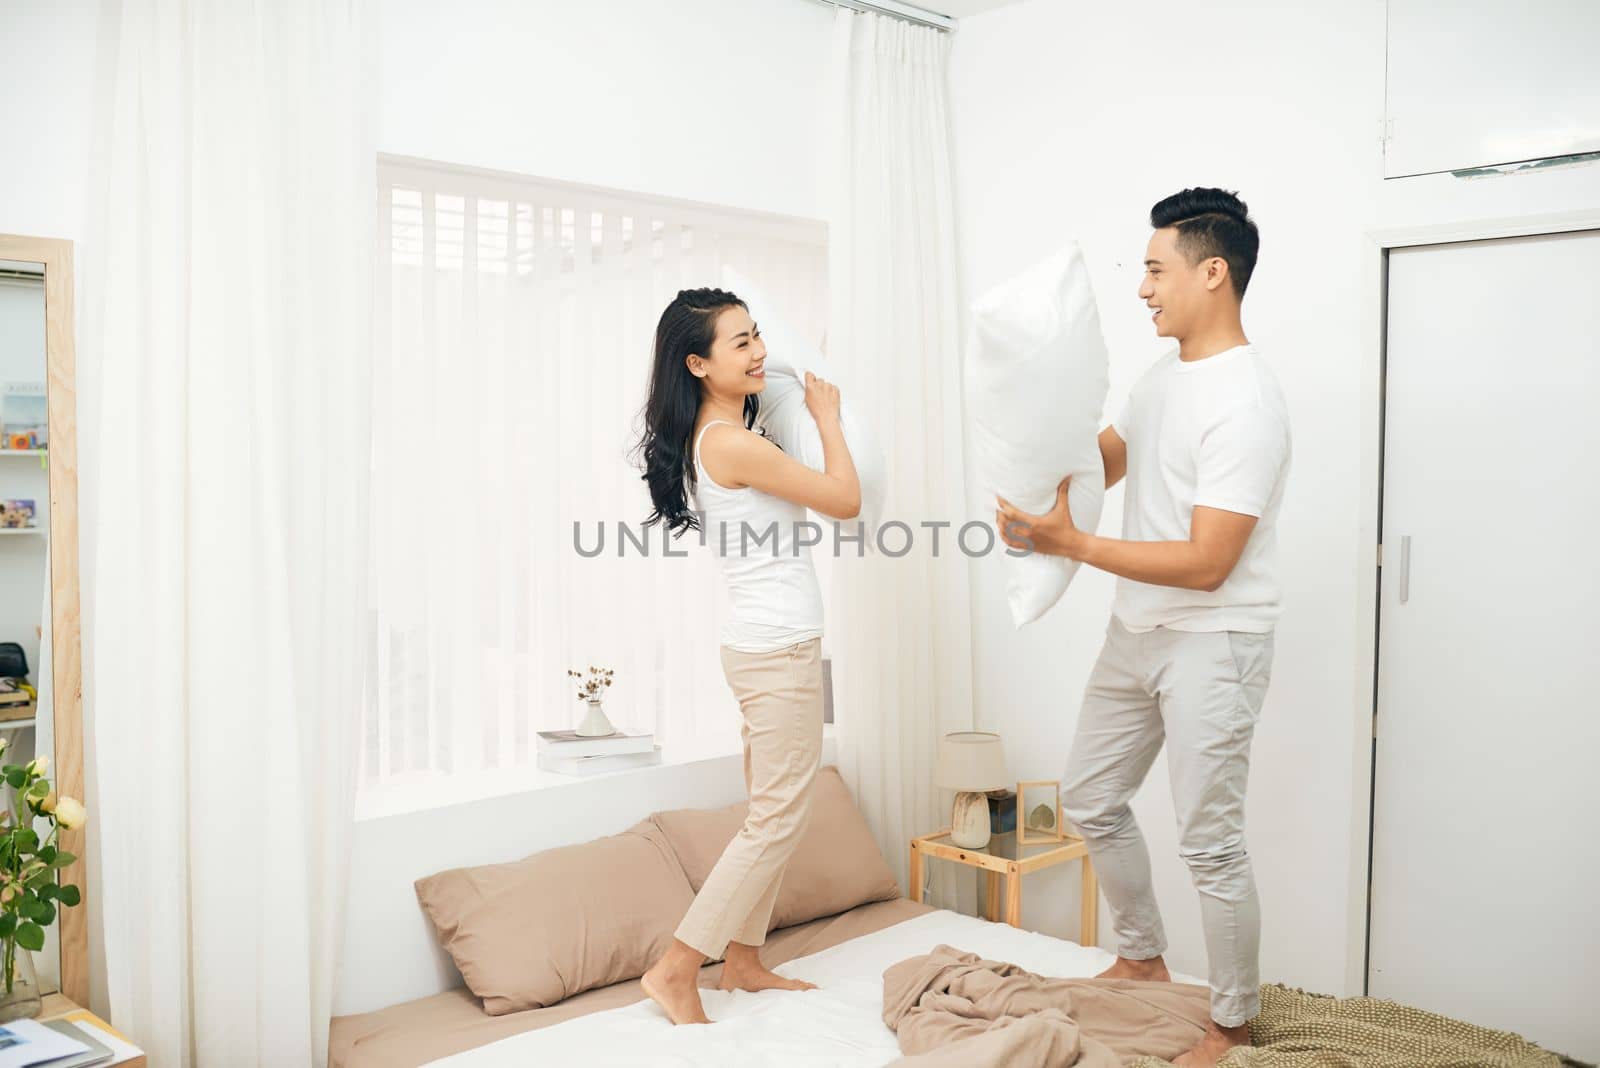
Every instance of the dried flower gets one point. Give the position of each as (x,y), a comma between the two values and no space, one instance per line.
(592,684)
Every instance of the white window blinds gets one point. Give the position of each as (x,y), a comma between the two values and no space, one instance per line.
(516,320)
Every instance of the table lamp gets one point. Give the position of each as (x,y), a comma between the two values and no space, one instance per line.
(970,763)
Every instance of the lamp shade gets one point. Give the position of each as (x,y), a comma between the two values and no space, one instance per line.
(971,761)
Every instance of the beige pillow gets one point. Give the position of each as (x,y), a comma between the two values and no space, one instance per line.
(530,933)
(837,865)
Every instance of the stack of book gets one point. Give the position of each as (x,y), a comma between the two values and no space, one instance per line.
(570,753)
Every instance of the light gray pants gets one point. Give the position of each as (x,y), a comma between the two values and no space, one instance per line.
(1202,692)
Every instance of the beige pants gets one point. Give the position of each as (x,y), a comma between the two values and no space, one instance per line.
(780,703)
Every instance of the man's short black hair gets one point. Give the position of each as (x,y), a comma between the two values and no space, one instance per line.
(1212,222)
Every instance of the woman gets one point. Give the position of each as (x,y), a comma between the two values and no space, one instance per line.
(697,442)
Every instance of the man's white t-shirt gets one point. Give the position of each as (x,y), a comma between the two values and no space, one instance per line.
(1212,433)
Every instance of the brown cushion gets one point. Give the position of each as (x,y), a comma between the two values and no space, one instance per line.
(529,933)
(837,865)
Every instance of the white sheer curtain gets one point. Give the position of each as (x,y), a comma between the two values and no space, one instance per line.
(517,318)
(901,626)
(225,362)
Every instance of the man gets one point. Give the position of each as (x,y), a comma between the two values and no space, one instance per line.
(1204,442)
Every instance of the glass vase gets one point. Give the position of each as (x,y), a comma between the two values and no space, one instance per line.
(23,999)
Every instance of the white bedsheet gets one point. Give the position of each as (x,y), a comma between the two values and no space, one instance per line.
(840,1024)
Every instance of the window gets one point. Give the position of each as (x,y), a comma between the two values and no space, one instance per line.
(516,319)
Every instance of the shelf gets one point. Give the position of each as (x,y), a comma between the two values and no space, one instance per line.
(22,530)
(24,452)
(17,724)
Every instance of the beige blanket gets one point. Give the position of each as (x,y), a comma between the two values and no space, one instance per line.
(952,1010)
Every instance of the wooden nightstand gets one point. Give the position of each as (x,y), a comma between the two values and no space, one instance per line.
(57,1005)
(1003,857)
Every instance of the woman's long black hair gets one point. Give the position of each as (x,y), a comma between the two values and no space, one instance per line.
(688,325)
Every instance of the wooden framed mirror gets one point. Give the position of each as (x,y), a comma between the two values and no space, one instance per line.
(39,554)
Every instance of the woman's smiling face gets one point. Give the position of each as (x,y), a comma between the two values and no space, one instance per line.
(735,366)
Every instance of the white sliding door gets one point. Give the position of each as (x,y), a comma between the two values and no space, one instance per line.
(1486,836)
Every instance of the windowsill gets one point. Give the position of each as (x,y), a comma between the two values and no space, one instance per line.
(420,793)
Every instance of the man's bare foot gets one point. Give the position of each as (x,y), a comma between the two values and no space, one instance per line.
(1214,1046)
(742,970)
(1153,970)
(673,983)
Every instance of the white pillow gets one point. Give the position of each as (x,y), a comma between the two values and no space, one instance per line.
(786,419)
(1036,380)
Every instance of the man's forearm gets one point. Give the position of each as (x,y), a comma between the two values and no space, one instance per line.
(1160,563)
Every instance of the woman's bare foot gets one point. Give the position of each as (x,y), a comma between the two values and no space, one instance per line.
(673,983)
(1153,970)
(742,970)
(1214,1046)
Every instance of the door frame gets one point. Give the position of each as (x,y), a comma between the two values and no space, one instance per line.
(1366,607)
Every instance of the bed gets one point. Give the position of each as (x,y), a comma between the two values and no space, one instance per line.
(419,1032)
(838,1024)
(566,933)
(551,948)
(839,921)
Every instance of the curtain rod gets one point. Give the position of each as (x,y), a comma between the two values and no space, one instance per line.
(897,10)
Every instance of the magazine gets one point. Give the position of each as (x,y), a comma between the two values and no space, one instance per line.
(26,1043)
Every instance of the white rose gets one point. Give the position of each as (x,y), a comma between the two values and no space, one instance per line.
(39,765)
(70,813)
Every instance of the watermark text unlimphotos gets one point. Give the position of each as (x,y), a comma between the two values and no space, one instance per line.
(894,538)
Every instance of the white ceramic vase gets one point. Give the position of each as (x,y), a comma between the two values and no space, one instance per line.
(595,724)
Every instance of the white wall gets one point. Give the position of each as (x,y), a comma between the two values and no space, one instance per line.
(47,56)
(715,100)
(1071,120)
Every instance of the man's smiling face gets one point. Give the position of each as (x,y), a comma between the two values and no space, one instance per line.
(1173,288)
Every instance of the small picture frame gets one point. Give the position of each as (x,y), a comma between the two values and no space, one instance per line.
(1039,812)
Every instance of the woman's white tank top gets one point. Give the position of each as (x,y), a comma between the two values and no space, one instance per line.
(776,601)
